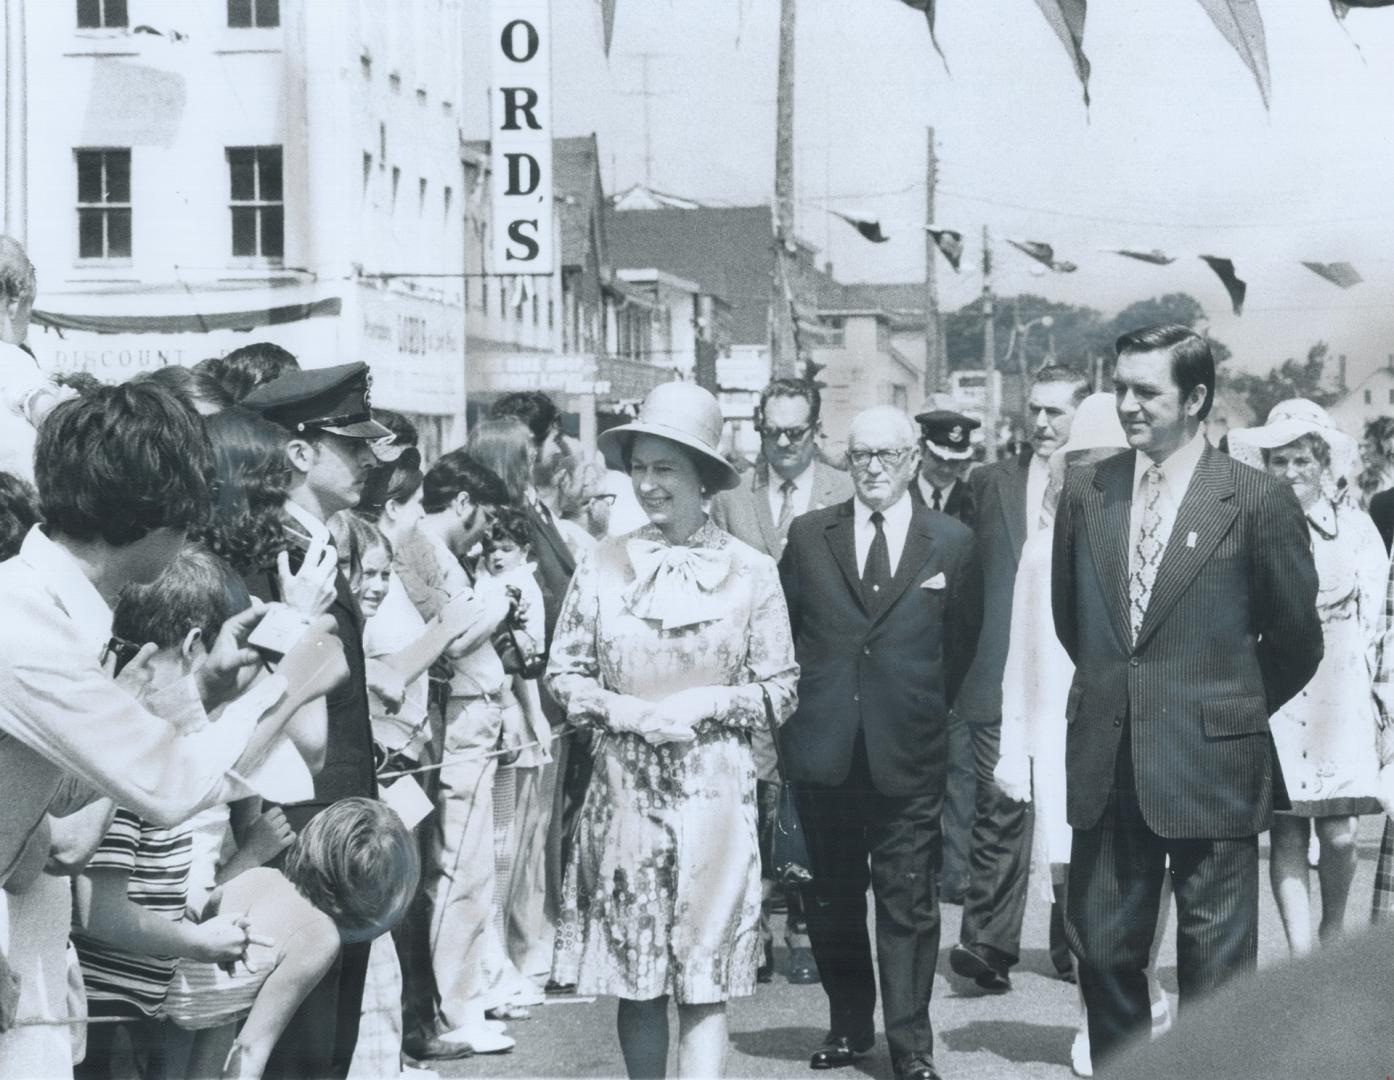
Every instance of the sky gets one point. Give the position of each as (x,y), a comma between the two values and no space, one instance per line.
(1176,151)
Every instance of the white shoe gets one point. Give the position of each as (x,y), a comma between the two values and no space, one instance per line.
(480,1038)
(1081,1064)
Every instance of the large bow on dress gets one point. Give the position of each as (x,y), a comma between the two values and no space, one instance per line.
(675,586)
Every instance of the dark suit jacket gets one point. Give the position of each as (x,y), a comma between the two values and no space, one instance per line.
(745,511)
(555,565)
(999,494)
(889,671)
(1382,511)
(1231,633)
(961,504)
(348,764)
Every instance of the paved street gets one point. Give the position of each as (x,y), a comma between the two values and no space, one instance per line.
(1025,1033)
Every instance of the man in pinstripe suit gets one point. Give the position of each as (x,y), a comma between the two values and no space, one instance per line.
(1184,591)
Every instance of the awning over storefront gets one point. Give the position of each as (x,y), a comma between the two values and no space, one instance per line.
(197,323)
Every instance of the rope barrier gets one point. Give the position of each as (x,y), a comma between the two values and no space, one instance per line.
(459,756)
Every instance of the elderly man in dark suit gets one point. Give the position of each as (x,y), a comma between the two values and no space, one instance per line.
(789,481)
(885,600)
(1009,496)
(1184,591)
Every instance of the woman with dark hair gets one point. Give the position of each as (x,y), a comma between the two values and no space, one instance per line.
(253,478)
(672,645)
(204,394)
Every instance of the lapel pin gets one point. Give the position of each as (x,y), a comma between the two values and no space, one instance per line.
(1190,539)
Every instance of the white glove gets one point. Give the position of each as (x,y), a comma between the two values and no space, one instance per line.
(1012,776)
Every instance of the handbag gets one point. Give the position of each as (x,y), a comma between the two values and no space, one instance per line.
(789,849)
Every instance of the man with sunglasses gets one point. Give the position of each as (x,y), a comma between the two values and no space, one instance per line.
(788,481)
(885,603)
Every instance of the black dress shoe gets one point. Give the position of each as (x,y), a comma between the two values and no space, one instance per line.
(987,971)
(433,1049)
(918,1068)
(840,1050)
(554,987)
(765,972)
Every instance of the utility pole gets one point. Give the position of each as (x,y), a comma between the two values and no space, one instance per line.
(989,353)
(783,350)
(933,331)
(16,167)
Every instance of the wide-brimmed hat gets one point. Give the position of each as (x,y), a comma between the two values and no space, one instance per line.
(682,413)
(1095,426)
(1287,422)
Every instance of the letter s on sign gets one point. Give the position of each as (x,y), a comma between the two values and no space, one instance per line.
(518,236)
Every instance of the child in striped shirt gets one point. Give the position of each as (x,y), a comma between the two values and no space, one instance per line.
(130,900)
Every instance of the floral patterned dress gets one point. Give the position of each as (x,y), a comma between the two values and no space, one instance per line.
(662,895)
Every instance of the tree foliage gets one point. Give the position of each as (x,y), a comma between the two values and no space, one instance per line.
(1292,378)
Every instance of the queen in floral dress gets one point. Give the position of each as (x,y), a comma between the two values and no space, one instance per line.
(669,643)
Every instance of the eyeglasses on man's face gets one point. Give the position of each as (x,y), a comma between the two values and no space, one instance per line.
(792,435)
(891,458)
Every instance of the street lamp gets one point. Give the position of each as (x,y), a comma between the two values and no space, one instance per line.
(1017,341)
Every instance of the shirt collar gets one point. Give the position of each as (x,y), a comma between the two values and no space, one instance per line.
(63,578)
(1177,470)
(311,524)
(927,490)
(894,517)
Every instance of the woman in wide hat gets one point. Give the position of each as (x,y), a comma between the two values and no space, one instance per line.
(1326,736)
(670,643)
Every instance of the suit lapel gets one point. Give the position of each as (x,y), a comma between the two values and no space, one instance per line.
(760,500)
(1012,494)
(1107,505)
(825,491)
(1206,512)
(919,541)
(841,538)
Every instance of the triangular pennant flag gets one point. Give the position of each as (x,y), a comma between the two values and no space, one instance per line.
(1155,257)
(1242,25)
(1043,254)
(607,22)
(1341,8)
(1224,270)
(927,6)
(1338,273)
(864,223)
(1066,18)
(949,242)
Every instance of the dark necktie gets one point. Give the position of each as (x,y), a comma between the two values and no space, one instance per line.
(786,506)
(937,504)
(876,574)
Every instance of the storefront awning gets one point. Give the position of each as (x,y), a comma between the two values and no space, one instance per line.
(194,323)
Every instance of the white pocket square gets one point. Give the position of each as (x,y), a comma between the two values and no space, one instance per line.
(936,582)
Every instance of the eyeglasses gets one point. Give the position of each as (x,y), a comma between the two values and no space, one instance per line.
(792,434)
(889,459)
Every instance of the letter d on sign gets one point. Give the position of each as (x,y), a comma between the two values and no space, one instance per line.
(520,136)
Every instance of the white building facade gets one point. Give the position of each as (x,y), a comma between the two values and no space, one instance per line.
(203,174)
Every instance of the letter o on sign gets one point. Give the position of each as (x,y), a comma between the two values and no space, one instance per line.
(508,41)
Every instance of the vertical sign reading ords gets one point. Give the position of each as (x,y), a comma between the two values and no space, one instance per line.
(521,136)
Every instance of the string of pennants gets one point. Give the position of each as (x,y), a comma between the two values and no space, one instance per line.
(1240,21)
(950,244)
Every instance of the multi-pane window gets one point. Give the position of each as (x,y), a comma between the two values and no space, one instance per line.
(99,14)
(104,204)
(242,14)
(258,202)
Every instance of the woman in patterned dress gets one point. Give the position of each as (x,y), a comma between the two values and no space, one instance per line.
(669,643)
(1326,736)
